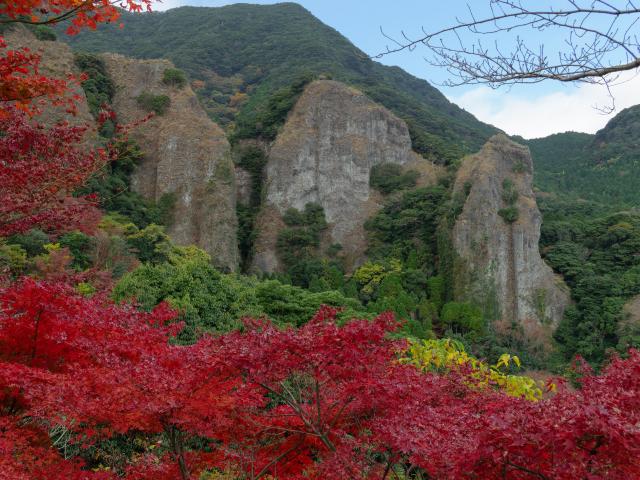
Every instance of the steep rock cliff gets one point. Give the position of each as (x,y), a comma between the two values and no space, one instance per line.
(497,261)
(324,154)
(629,326)
(186,155)
(57,62)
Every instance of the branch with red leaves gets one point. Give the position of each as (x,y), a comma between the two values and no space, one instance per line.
(39,170)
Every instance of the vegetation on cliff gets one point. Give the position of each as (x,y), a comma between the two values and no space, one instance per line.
(238,61)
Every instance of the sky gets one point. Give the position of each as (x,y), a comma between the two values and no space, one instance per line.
(531,111)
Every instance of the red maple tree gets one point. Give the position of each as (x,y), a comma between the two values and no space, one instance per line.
(39,170)
(320,402)
(20,79)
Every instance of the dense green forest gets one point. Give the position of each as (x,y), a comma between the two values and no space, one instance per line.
(238,56)
(589,198)
(603,167)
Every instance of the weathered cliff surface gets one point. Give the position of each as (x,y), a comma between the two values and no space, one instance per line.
(629,327)
(324,154)
(57,62)
(186,155)
(497,263)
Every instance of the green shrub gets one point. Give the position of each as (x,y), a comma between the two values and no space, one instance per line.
(509,214)
(462,317)
(293,217)
(509,192)
(290,305)
(153,103)
(334,249)
(208,300)
(151,244)
(32,242)
(509,196)
(298,245)
(98,88)
(391,296)
(388,178)
(81,248)
(13,259)
(174,77)
(44,33)
(519,167)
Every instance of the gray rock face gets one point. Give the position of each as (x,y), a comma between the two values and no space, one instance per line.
(187,156)
(628,328)
(324,154)
(244,185)
(498,264)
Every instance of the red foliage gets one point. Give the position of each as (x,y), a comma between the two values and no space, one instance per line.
(21,82)
(320,402)
(40,169)
(86,13)
(26,453)
(69,360)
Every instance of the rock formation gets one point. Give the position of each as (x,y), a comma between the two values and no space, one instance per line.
(324,154)
(628,329)
(497,263)
(186,155)
(57,62)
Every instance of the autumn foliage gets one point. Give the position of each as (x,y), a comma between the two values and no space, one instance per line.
(90,389)
(41,169)
(82,13)
(322,401)
(20,79)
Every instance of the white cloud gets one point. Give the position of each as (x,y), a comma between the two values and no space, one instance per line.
(163,5)
(518,112)
(167,4)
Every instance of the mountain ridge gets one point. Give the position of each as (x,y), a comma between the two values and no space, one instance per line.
(243,53)
(600,167)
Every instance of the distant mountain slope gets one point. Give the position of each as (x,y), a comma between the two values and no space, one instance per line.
(242,54)
(556,159)
(604,167)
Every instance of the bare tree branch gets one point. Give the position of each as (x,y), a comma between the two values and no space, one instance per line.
(600,40)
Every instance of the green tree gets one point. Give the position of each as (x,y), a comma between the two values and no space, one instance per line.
(462,318)
(207,299)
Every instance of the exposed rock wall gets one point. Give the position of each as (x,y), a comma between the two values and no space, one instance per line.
(324,154)
(629,326)
(244,185)
(57,62)
(497,264)
(186,155)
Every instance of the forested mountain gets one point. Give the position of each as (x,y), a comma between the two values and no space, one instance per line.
(240,55)
(589,198)
(604,167)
